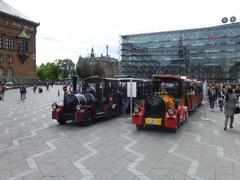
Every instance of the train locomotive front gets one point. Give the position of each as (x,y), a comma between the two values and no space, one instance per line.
(166,108)
(88,105)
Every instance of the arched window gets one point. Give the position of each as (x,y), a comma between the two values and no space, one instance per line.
(9,72)
(1,71)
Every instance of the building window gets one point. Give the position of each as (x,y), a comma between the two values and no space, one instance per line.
(9,59)
(23,45)
(1,44)
(9,72)
(1,71)
(1,58)
(10,44)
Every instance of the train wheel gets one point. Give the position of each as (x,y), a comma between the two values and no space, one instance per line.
(109,113)
(62,121)
(88,118)
(140,126)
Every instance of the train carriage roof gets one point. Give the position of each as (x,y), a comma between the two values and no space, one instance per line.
(170,76)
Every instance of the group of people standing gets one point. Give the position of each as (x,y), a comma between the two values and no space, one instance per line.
(227,97)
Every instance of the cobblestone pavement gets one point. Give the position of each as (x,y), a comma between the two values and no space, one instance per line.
(33,146)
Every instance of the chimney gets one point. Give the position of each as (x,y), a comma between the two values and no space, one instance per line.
(106,50)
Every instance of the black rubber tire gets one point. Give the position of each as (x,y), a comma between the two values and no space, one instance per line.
(62,121)
(88,118)
(109,113)
(140,127)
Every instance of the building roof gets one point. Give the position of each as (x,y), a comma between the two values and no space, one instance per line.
(222,26)
(7,9)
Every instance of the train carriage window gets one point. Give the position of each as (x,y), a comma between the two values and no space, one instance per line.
(171,88)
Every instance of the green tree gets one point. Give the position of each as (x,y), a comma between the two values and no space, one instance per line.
(40,72)
(65,67)
(97,69)
(84,69)
(51,71)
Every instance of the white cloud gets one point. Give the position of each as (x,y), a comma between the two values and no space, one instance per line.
(70,28)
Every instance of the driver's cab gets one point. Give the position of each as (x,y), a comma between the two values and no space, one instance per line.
(170,85)
(103,89)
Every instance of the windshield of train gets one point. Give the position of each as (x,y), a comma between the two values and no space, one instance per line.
(170,87)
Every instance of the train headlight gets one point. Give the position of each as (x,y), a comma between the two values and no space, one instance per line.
(170,111)
(78,107)
(54,106)
(136,109)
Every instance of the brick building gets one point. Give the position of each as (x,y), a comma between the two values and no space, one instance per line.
(17,45)
(109,64)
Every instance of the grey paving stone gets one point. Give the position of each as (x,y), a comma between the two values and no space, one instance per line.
(74,175)
(104,174)
(225,176)
(4,174)
(172,174)
(33,176)
(111,159)
(224,171)
(47,167)
(158,172)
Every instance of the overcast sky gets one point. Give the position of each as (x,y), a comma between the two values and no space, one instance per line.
(71,28)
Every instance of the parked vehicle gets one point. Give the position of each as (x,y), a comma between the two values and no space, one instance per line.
(167,107)
(9,85)
(92,98)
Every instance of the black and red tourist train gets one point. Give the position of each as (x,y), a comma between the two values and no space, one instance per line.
(92,98)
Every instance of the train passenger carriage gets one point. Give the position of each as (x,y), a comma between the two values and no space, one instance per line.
(167,107)
(194,94)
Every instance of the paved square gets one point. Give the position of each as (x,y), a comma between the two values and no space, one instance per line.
(33,146)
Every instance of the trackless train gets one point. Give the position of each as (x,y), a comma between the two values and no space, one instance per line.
(174,97)
(96,97)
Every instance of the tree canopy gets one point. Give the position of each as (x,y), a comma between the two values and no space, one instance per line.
(84,69)
(59,69)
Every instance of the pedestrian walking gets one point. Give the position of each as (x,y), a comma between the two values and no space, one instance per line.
(47,86)
(237,92)
(230,106)
(211,97)
(23,92)
(34,88)
(221,96)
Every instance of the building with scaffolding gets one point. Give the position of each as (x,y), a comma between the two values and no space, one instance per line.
(211,53)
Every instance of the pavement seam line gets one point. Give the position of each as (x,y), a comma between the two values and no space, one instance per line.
(192,171)
(32,163)
(216,132)
(132,166)
(220,150)
(16,141)
(87,175)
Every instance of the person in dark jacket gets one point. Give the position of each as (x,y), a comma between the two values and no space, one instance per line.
(230,105)
(23,92)
(221,96)
(211,97)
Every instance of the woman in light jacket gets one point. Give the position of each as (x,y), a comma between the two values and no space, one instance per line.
(230,105)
